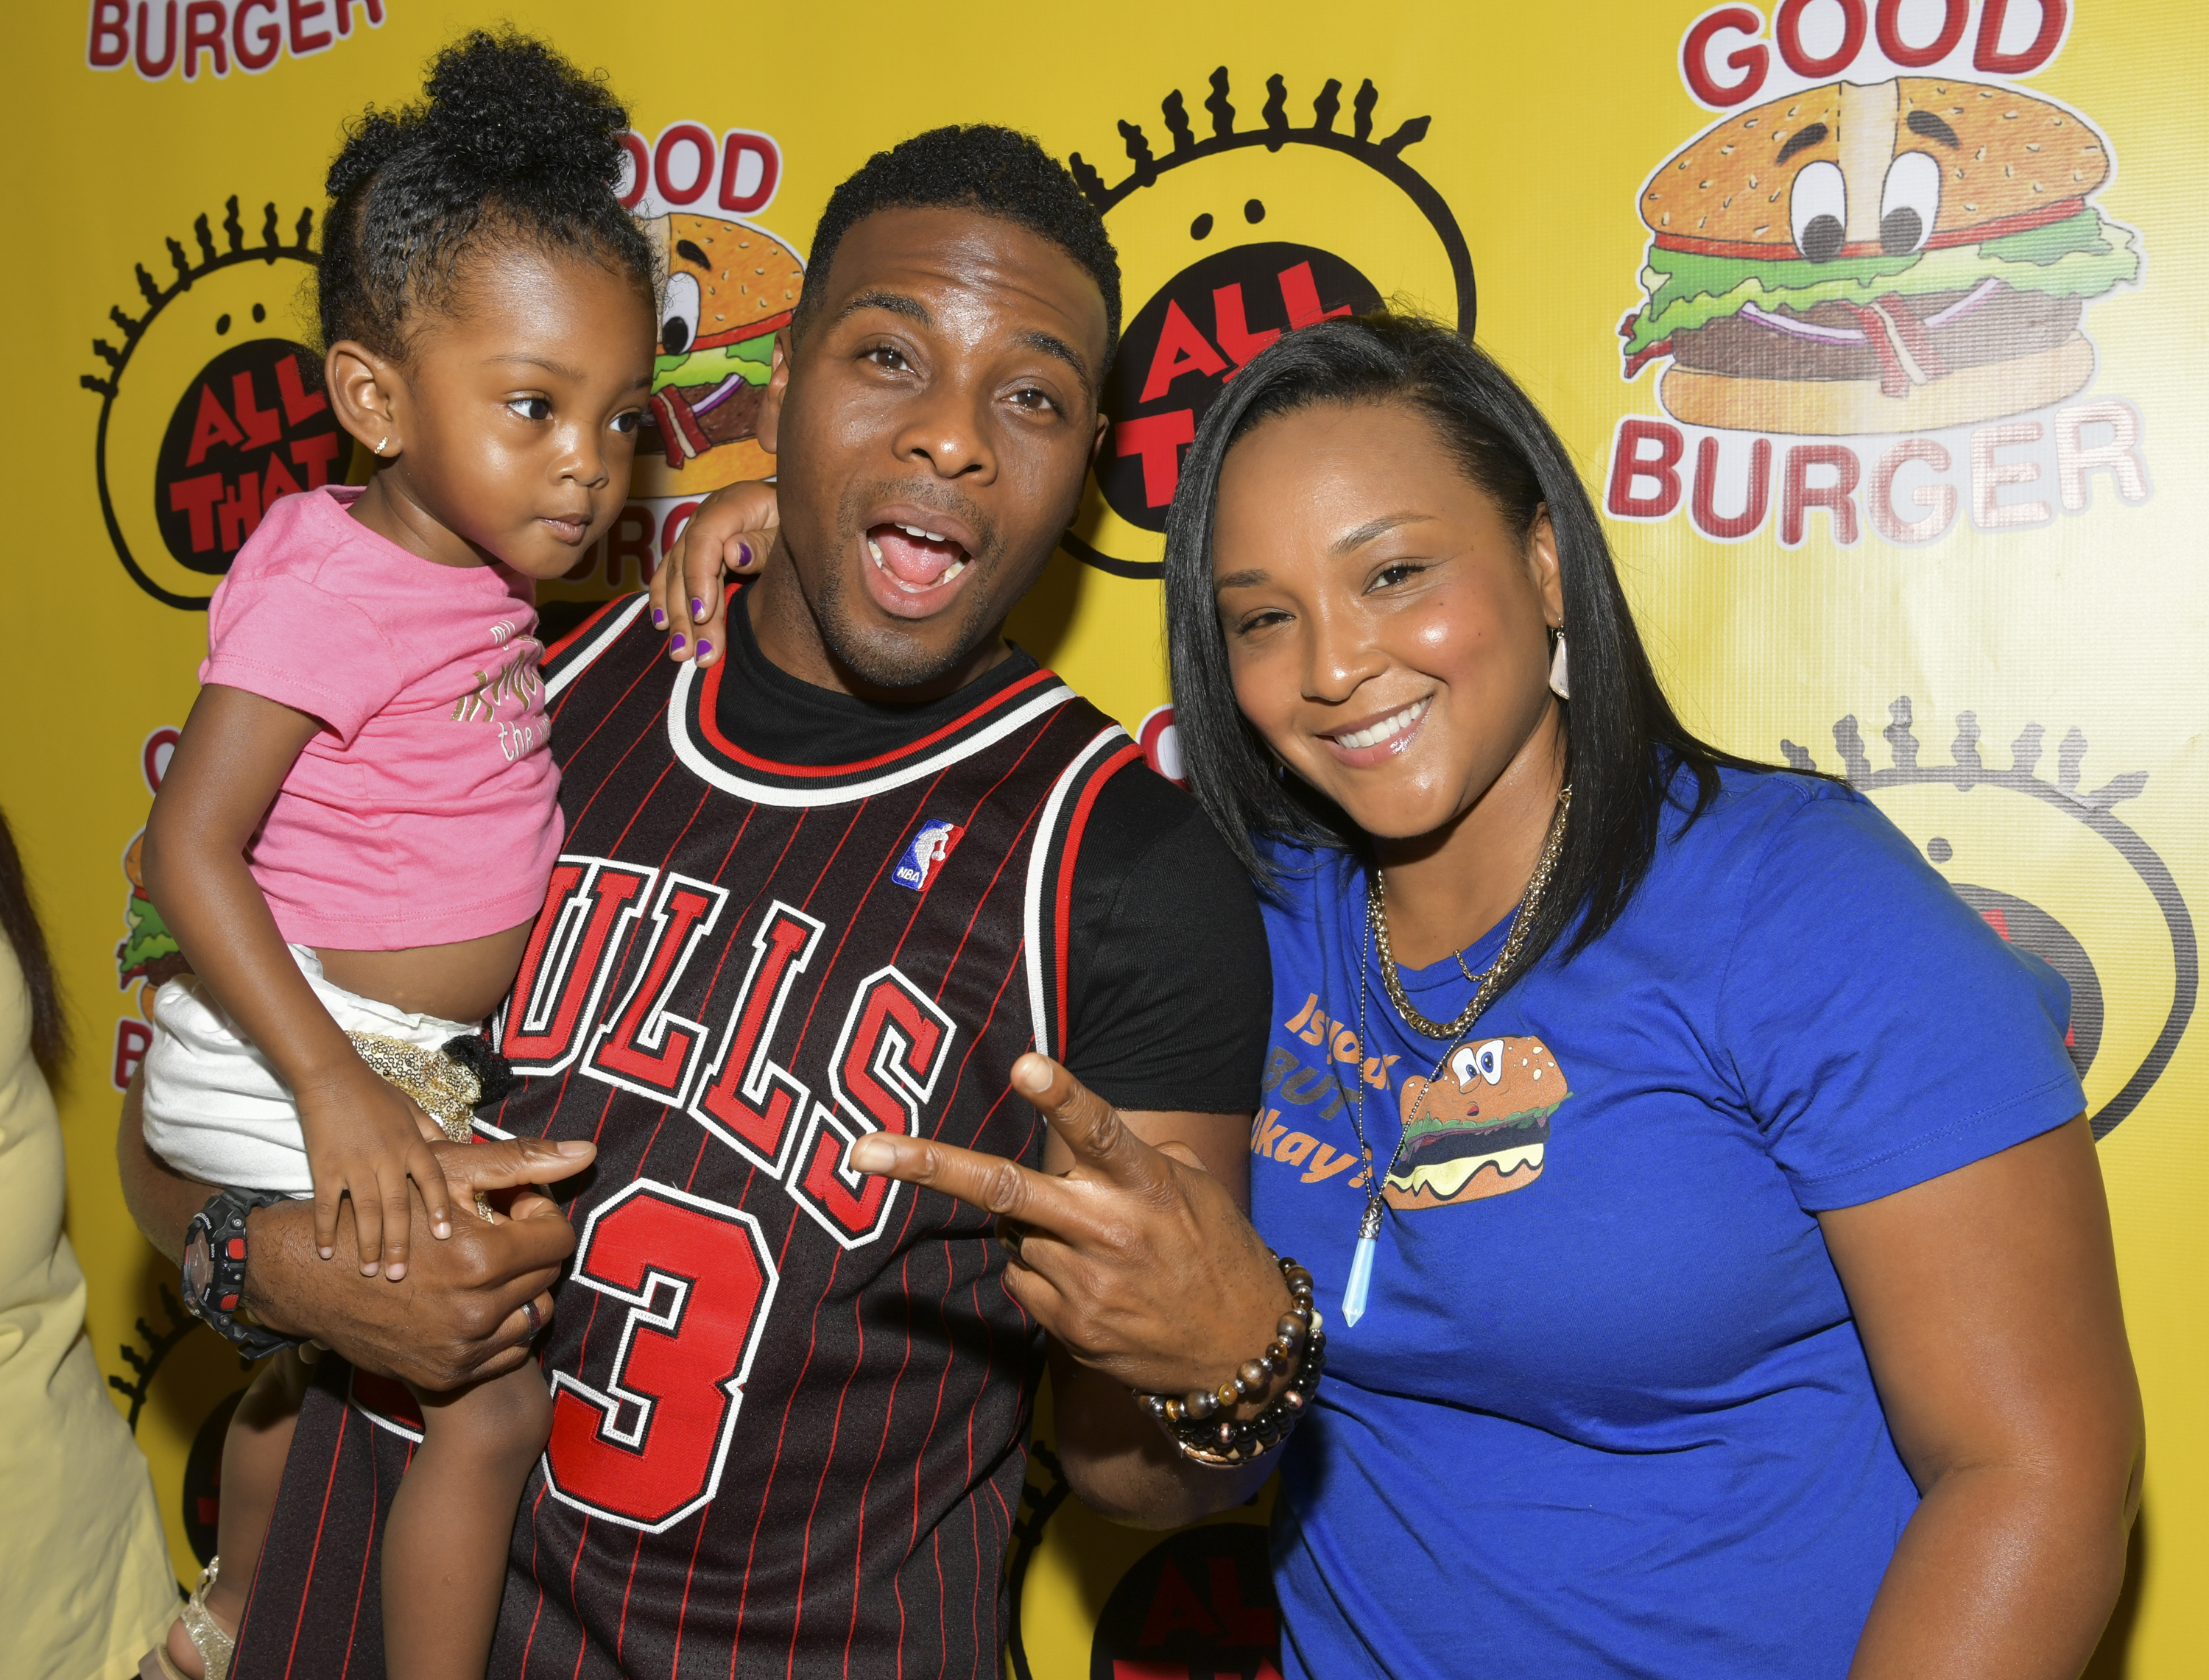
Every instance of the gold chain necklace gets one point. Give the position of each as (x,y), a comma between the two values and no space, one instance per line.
(1484,985)
(1484,991)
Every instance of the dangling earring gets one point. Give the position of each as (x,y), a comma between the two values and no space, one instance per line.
(1559,678)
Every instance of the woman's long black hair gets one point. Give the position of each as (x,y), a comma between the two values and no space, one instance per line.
(18,926)
(1625,743)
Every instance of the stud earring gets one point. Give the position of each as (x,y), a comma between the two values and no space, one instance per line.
(1559,677)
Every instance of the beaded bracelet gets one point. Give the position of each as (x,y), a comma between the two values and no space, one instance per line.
(1187,1419)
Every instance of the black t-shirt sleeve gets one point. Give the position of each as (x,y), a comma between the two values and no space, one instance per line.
(1172,984)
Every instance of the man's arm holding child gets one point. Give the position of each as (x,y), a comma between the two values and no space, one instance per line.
(457,1317)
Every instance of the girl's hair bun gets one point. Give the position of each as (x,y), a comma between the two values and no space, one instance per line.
(510,138)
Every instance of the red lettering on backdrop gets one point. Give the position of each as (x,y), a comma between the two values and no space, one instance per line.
(1182,349)
(1988,55)
(197,497)
(1886,21)
(1838,498)
(204,27)
(640,170)
(109,45)
(700,143)
(210,426)
(740,144)
(262,426)
(1300,291)
(1630,464)
(150,71)
(1756,503)
(630,538)
(316,454)
(269,38)
(1787,28)
(1936,501)
(1233,328)
(299,13)
(671,526)
(1752,62)
(300,402)
(131,1039)
(1158,438)
(372,8)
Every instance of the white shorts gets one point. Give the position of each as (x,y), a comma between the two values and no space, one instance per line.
(217,1110)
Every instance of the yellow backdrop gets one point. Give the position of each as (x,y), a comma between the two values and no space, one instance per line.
(1973,589)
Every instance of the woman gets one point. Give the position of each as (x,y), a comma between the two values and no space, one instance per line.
(1715,1267)
(85,1584)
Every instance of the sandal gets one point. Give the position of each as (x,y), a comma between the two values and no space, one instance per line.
(214,1646)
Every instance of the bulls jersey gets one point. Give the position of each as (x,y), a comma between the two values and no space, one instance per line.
(788,1399)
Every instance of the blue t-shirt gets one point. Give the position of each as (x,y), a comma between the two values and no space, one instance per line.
(1606,1412)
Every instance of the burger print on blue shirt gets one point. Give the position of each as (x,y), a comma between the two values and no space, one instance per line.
(1480,1129)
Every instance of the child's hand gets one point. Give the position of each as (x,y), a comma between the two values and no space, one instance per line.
(366,1140)
(730,533)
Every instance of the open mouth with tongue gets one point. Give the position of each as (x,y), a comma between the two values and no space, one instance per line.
(914,567)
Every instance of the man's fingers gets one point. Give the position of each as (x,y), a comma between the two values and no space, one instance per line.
(1091,1127)
(987,1181)
(501,1163)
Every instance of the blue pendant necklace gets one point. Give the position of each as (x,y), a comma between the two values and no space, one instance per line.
(1486,987)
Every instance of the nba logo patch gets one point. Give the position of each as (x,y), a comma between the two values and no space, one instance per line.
(930,846)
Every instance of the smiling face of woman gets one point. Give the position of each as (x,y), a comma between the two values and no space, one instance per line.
(1387,628)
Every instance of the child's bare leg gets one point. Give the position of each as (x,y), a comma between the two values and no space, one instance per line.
(253,1454)
(452,1524)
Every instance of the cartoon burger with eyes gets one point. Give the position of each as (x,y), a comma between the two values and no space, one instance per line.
(1899,256)
(1480,1129)
(730,288)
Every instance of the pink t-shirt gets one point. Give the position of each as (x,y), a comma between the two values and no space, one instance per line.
(428,809)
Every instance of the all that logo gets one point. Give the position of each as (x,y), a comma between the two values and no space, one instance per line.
(2052,869)
(208,408)
(1867,286)
(1232,238)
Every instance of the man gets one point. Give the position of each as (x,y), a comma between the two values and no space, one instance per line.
(837,881)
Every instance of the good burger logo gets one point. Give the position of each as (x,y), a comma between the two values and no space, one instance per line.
(1894,250)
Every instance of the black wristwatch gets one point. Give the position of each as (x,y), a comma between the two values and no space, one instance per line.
(214,1270)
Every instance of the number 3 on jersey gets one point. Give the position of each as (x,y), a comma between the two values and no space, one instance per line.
(694,1282)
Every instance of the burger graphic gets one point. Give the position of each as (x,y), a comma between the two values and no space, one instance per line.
(1479,1130)
(1897,256)
(730,288)
(149,952)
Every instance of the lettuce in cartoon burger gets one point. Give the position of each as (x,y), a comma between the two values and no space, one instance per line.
(730,288)
(1901,256)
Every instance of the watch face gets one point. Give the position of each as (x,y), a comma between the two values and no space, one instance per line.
(199,1268)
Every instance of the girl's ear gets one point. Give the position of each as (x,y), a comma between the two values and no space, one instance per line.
(1543,564)
(366,394)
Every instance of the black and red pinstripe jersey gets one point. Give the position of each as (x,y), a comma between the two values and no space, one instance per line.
(788,1401)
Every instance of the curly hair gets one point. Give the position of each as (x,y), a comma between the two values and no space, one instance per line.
(982,167)
(512,143)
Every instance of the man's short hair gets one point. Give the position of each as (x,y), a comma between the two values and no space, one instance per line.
(978,167)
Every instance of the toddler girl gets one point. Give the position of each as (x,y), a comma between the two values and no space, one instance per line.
(357,826)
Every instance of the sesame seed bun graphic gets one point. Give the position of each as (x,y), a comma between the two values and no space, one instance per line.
(730,288)
(1899,256)
(1481,1129)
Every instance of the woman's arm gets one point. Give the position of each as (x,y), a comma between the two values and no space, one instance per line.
(363,1137)
(1987,1301)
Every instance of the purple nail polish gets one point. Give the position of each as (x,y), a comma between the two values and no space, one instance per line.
(745,551)
(659,619)
(704,648)
(697,607)
(678,642)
